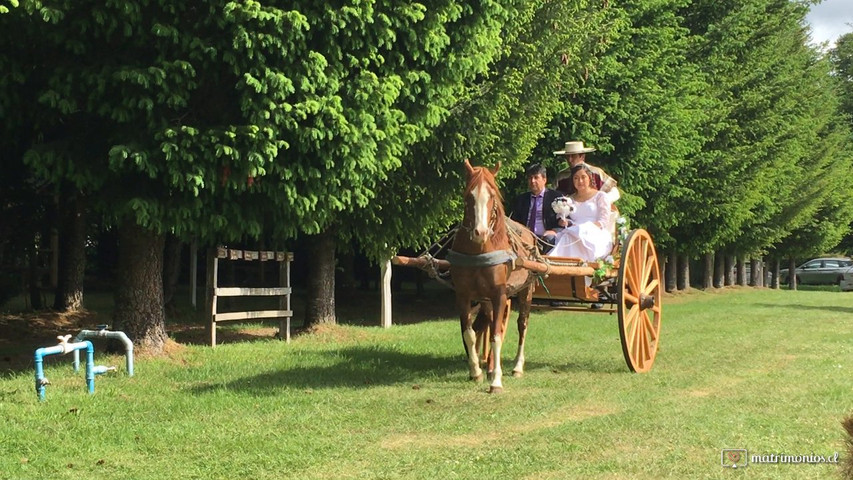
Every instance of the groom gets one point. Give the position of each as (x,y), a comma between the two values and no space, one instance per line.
(534,209)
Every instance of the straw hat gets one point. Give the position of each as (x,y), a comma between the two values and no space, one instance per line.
(574,148)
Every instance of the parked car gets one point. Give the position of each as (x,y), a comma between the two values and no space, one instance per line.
(846,282)
(818,271)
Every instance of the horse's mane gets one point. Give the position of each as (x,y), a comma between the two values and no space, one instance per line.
(481,175)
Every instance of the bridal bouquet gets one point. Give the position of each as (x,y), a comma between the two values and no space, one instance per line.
(563,207)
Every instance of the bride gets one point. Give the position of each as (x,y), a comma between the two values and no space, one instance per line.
(587,236)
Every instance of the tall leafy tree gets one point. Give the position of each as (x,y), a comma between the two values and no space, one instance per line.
(841,57)
(795,129)
(763,136)
(637,100)
(497,118)
(228,119)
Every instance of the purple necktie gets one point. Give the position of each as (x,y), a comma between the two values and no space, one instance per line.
(531,220)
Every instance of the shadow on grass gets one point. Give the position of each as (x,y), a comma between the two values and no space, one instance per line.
(371,366)
(827,308)
(355,367)
(585,365)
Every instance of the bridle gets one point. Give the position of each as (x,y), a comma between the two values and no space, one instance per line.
(492,220)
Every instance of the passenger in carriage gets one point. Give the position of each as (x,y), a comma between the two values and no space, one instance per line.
(575,154)
(587,236)
(534,208)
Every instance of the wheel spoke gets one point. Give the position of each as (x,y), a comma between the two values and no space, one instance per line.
(649,326)
(631,280)
(644,348)
(651,287)
(630,324)
(646,257)
(636,269)
(647,266)
(629,297)
(639,341)
(637,259)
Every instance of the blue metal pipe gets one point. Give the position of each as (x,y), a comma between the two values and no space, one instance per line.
(63,348)
(102,332)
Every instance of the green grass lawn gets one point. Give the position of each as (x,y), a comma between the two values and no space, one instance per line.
(756,369)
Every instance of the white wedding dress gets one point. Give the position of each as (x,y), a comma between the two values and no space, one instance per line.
(584,239)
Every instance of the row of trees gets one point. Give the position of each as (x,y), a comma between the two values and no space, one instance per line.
(347,122)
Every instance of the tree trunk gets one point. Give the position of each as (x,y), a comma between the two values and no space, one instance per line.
(719,270)
(139,310)
(671,271)
(171,268)
(730,270)
(741,271)
(774,274)
(792,277)
(755,273)
(320,305)
(683,279)
(72,255)
(708,274)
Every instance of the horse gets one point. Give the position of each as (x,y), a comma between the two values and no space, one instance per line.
(481,271)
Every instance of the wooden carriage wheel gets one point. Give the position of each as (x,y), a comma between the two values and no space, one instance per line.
(639,307)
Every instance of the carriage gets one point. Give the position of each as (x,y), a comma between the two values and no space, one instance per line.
(490,249)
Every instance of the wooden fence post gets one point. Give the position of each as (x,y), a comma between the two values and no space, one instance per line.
(283,291)
(386,314)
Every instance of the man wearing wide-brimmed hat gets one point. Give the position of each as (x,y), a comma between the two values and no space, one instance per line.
(575,153)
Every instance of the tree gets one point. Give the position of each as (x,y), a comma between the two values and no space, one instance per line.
(641,103)
(761,74)
(842,60)
(230,120)
(497,118)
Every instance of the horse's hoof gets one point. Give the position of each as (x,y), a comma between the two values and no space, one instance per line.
(496,389)
(478,378)
(517,373)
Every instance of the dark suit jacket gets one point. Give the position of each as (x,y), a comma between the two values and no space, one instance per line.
(521,209)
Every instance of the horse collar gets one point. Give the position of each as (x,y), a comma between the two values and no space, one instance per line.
(488,259)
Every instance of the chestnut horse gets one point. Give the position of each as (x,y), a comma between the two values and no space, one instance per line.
(481,270)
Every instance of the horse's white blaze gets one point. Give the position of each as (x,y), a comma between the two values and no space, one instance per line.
(496,352)
(481,196)
(470,338)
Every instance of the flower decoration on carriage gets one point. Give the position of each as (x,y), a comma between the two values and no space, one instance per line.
(563,207)
(604,266)
(622,228)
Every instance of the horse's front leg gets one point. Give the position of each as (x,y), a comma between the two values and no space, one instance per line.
(498,309)
(523,317)
(469,337)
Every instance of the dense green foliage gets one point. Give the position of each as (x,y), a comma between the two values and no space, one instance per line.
(842,62)
(497,119)
(227,119)
(637,101)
